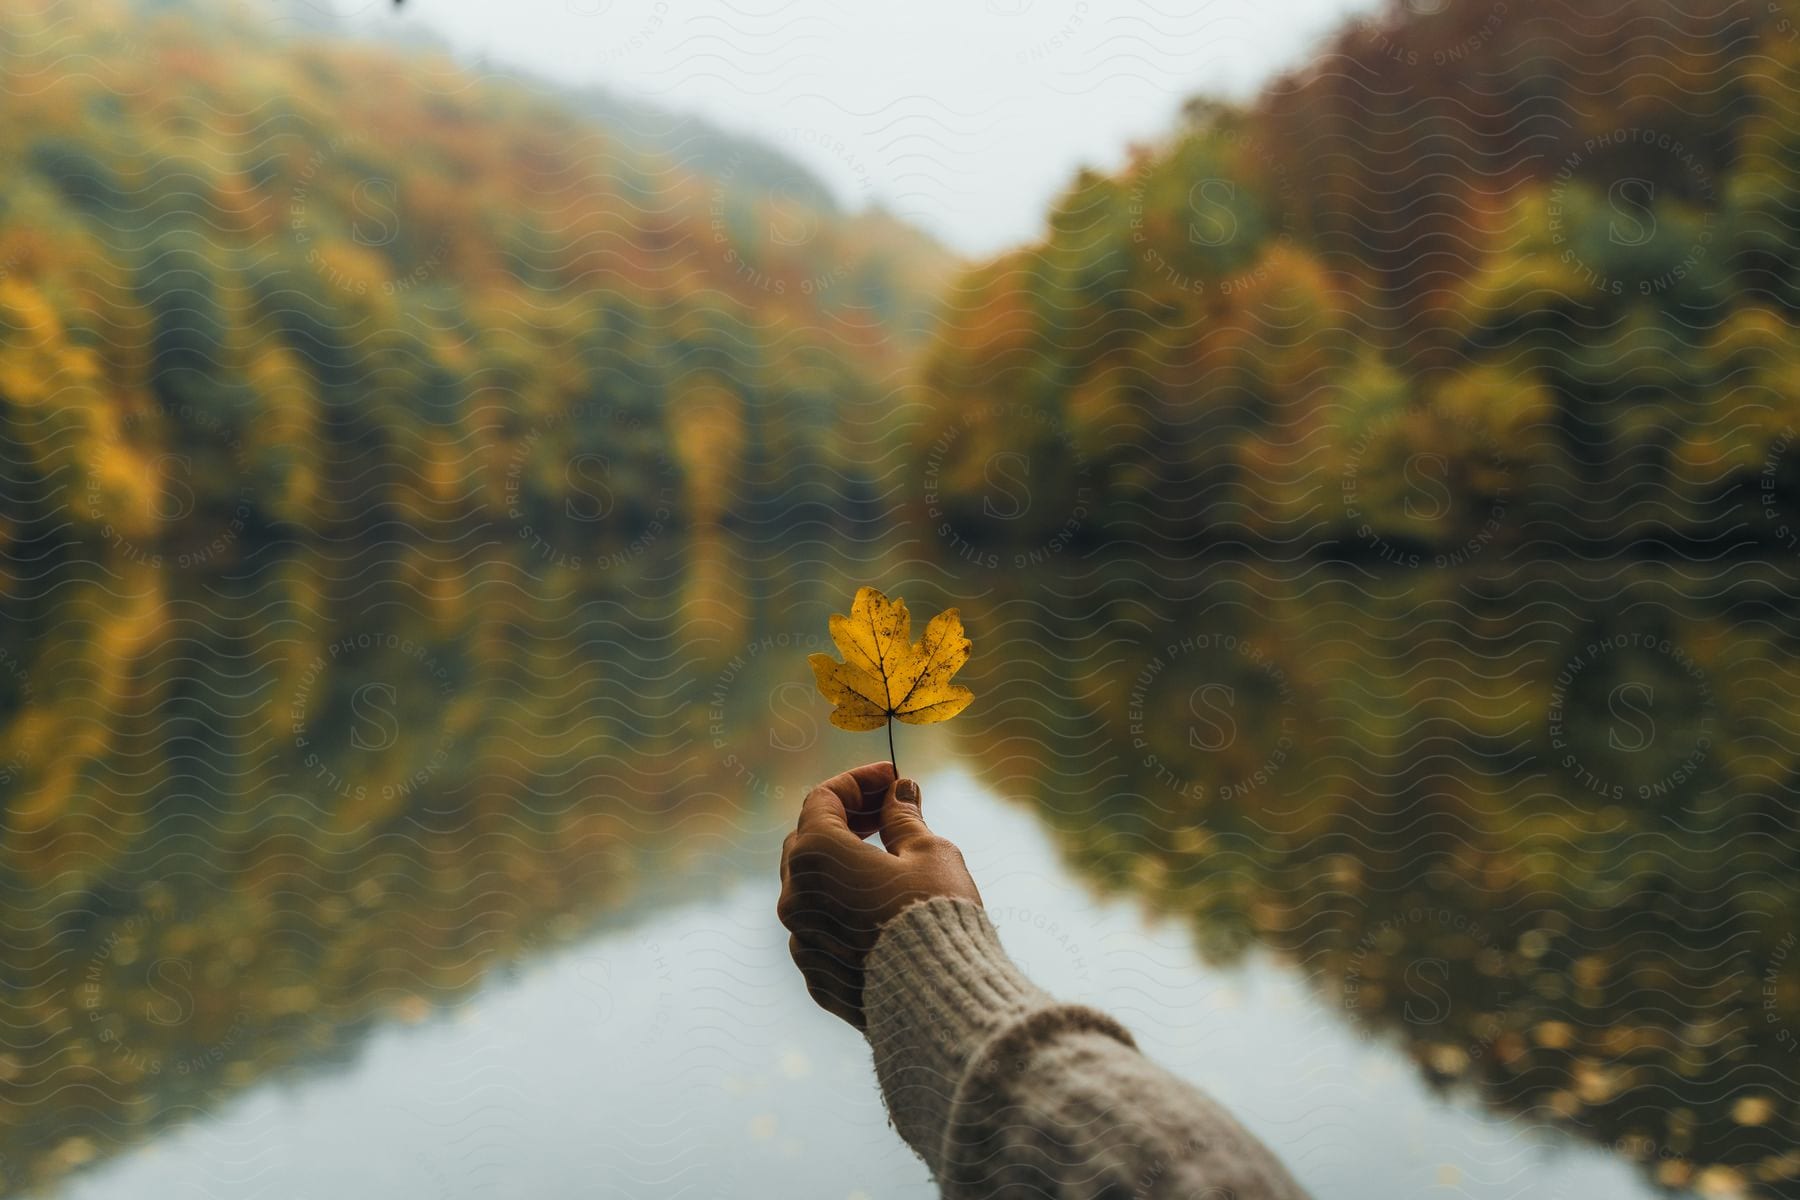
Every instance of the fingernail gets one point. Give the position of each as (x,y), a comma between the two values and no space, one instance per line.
(906,791)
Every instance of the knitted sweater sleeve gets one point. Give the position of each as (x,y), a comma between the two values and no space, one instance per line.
(1006,1093)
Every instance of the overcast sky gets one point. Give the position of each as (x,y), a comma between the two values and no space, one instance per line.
(964,116)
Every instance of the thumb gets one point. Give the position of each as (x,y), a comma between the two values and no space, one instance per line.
(901,821)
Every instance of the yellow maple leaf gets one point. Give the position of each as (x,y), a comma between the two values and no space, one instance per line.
(884,674)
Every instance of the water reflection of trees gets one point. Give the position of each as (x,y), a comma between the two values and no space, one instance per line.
(253,817)
(1530,823)
(1535,824)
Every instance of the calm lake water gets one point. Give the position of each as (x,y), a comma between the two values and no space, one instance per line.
(1469,883)
(680,1056)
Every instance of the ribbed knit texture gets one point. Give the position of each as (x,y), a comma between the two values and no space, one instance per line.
(1006,1093)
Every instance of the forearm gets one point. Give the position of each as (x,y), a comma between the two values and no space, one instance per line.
(1005,1092)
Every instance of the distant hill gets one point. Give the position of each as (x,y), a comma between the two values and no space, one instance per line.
(696,145)
(214,239)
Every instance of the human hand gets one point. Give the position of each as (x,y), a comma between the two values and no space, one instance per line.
(837,890)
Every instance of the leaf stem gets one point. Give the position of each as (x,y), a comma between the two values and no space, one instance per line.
(892,761)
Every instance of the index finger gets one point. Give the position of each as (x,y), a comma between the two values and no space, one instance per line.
(850,801)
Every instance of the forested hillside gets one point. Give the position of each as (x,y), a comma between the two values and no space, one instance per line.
(342,281)
(1490,278)
(399,344)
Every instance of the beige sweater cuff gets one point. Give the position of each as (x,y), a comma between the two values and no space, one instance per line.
(945,1008)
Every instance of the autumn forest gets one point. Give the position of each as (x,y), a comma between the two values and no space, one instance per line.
(421,489)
